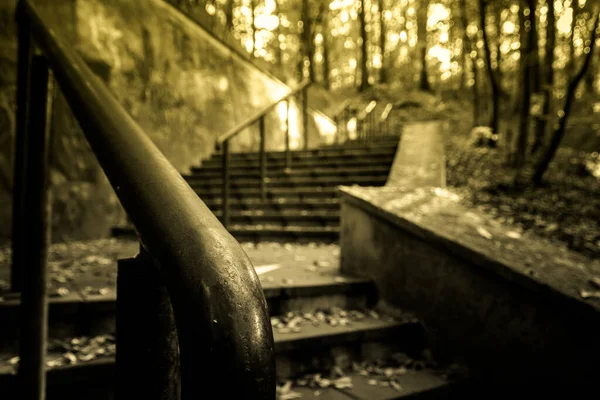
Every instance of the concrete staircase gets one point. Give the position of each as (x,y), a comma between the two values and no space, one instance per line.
(330,343)
(301,202)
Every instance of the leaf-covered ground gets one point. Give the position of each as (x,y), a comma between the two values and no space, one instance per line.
(566,208)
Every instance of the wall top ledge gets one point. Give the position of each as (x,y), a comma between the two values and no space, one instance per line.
(436,216)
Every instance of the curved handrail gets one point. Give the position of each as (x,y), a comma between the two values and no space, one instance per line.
(225,335)
(260,113)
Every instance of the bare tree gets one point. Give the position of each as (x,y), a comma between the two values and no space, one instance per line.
(364,74)
(307,48)
(527,14)
(229,14)
(382,33)
(494,119)
(323,22)
(470,53)
(542,123)
(422,10)
(559,133)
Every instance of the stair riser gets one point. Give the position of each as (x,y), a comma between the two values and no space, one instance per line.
(98,384)
(298,206)
(266,235)
(216,185)
(254,193)
(322,358)
(383,159)
(320,153)
(294,173)
(99,318)
(354,147)
(262,235)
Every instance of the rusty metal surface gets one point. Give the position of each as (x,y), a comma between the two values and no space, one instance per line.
(225,335)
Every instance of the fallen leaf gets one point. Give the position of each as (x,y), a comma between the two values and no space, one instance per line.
(513,235)
(595,281)
(587,295)
(483,232)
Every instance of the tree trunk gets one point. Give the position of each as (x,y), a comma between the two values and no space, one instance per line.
(326,69)
(499,8)
(573,60)
(542,123)
(422,9)
(535,71)
(559,133)
(490,71)
(470,47)
(466,51)
(525,84)
(306,43)
(253,11)
(382,33)
(364,74)
(323,23)
(591,76)
(229,14)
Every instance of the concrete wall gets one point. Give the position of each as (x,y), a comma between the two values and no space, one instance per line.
(182,86)
(477,311)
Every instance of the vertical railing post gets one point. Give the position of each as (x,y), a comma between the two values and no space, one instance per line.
(147,362)
(305,116)
(226,184)
(263,159)
(20,150)
(288,154)
(36,230)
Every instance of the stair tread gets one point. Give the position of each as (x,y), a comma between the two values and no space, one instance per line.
(368,328)
(325,170)
(411,384)
(279,228)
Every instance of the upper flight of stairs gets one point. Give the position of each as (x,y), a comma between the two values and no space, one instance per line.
(301,202)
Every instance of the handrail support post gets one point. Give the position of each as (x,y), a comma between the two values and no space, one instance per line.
(288,154)
(263,159)
(20,151)
(226,184)
(36,230)
(305,116)
(146,334)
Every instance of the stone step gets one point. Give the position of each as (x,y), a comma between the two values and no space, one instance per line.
(277,232)
(285,217)
(310,160)
(201,174)
(360,340)
(421,385)
(239,182)
(341,151)
(301,286)
(275,204)
(270,232)
(301,192)
(279,165)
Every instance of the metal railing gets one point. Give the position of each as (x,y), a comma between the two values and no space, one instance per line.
(206,312)
(223,142)
(366,124)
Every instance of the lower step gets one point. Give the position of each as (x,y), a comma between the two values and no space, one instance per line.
(362,337)
(265,232)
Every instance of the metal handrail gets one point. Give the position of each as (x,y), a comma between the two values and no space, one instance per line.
(223,140)
(224,332)
(259,114)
